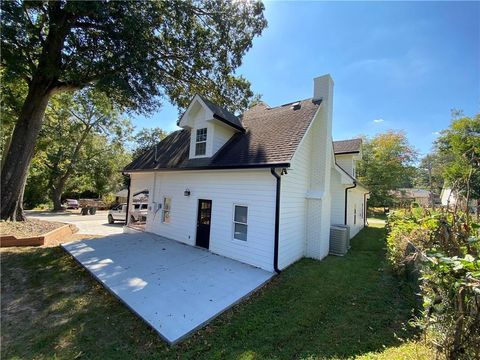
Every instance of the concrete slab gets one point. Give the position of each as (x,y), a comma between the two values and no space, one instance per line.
(174,287)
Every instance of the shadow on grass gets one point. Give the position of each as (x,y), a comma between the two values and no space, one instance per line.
(337,308)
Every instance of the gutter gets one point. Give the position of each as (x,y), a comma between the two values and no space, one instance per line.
(277,220)
(346,199)
(211,167)
(129,180)
(365,222)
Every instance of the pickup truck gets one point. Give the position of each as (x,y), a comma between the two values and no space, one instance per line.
(119,213)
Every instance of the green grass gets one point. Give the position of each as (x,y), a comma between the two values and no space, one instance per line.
(340,307)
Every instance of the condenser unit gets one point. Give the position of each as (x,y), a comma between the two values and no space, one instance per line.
(339,241)
(348,233)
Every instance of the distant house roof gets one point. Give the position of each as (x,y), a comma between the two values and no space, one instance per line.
(270,139)
(351,146)
(223,115)
(411,193)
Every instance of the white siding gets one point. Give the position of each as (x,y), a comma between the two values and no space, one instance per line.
(199,121)
(355,218)
(338,199)
(293,206)
(346,163)
(254,188)
(220,136)
(305,198)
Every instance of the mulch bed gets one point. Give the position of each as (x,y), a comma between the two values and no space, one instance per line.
(28,228)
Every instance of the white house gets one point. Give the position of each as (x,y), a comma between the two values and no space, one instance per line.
(262,188)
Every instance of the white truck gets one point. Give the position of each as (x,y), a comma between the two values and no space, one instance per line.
(138,213)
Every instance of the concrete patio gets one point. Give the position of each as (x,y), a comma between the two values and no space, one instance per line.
(175,288)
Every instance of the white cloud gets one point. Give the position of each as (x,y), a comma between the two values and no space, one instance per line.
(436,133)
(378,121)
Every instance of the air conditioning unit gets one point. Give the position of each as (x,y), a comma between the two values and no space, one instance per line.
(348,232)
(339,240)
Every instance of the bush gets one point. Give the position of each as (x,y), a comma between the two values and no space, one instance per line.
(451,301)
(450,275)
(408,227)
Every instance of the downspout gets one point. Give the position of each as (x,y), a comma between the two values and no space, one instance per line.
(346,199)
(129,180)
(277,221)
(365,222)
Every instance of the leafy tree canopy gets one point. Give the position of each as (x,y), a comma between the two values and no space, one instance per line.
(460,144)
(134,51)
(146,139)
(81,146)
(387,165)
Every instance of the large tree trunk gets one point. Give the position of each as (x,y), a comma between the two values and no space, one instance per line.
(56,195)
(20,152)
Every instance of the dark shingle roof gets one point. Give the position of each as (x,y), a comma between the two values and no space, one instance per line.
(347,146)
(272,135)
(223,115)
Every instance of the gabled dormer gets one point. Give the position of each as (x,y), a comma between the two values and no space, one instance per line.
(210,127)
(347,153)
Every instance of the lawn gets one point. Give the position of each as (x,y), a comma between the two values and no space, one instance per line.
(341,307)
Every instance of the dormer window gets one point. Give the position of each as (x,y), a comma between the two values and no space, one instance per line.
(201,142)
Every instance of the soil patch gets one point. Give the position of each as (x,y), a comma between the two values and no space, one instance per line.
(28,228)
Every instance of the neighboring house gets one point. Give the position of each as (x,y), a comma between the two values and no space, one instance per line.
(262,188)
(409,195)
(450,198)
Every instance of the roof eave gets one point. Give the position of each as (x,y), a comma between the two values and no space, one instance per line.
(218,167)
(229,123)
(346,152)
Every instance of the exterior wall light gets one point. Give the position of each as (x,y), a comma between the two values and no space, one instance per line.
(186,192)
(284,171)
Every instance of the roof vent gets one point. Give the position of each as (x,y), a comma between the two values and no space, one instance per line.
(296,105)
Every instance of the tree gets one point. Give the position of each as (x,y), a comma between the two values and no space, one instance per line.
(73,125)
(386,165)
(145,139)
(135,52)
(461,144)
(255,100)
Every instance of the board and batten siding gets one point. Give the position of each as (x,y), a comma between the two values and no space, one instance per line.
(253,188)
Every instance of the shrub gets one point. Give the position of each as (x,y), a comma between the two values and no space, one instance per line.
(451,294)
(450,275)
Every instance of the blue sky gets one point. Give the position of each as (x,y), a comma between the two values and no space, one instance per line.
(396,65)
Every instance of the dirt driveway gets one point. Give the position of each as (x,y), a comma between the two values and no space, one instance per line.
(87,224)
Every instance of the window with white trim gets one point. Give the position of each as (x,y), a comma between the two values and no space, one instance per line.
(201,142)
(240,222)
(167,202)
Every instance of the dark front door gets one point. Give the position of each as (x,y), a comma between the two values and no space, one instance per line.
(203,223)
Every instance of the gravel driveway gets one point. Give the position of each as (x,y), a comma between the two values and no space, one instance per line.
(87,224)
